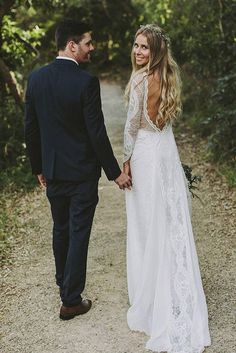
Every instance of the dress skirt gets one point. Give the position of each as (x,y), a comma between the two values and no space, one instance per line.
(166,296)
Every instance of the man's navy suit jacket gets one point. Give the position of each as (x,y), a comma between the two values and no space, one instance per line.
(64,126)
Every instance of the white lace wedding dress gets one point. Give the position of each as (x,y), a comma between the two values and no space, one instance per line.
(164,284)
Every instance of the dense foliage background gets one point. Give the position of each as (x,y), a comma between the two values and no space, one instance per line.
(203,40)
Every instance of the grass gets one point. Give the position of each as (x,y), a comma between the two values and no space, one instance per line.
(15,182)
(17,179)
(229,173)
(227,168)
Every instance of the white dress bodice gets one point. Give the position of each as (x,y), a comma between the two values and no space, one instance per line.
(137,116)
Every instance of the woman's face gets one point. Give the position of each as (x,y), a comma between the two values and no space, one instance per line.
(141,50)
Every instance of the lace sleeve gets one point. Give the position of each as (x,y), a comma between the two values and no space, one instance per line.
(133,117)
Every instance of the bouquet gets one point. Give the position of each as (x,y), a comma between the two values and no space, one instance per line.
(193,180)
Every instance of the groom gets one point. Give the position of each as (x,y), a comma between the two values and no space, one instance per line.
(67,144)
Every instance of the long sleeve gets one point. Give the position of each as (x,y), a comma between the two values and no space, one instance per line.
(32,132)
(134,115)
(94,121)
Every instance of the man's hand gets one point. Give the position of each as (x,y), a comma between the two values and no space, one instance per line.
(42,180)
(124,181)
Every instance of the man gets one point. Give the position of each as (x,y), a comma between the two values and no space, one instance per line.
(67,144)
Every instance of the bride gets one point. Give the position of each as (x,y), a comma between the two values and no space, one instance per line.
(166,297)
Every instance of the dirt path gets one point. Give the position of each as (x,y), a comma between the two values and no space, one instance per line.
(30,300)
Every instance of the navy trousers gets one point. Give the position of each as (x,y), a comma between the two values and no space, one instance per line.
(72,205)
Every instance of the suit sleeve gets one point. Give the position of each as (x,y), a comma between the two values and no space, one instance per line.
(94,121)
(32,132)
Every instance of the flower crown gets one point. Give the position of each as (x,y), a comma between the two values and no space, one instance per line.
(157,31)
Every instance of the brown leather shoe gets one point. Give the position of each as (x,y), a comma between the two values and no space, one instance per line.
(67,313)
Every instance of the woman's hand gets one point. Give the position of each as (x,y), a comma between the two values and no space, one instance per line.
(127,169)
(42,180)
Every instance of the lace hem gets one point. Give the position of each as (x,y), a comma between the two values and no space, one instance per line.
(181,296)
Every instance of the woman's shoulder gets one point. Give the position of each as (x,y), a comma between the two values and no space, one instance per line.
(138,77)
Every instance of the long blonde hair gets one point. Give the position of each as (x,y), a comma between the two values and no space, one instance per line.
(163,74)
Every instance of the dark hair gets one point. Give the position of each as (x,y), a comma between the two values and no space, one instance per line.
(70,30)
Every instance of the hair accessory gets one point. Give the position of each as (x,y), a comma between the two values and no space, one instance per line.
(157,31)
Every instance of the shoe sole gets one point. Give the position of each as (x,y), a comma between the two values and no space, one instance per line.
(69,317)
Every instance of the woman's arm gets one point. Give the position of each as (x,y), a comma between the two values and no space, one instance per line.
(132,125)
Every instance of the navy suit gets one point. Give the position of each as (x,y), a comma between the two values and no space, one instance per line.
(67,142)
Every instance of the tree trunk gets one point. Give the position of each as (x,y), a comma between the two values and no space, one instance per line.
(12,85)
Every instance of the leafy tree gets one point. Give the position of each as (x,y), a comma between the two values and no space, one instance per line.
(27,40)
(203,36)
(203,41)
(18,53)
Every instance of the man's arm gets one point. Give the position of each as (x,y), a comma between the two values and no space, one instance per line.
(98,136)
(32,133)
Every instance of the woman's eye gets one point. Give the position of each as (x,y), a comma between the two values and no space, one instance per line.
(140,46)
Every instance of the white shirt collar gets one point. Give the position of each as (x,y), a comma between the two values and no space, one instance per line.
(66,58)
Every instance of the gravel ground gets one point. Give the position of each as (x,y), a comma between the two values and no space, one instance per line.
(29,297)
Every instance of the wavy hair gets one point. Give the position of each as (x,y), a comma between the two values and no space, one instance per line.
(164,83)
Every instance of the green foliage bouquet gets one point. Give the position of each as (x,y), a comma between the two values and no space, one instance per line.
(192,180)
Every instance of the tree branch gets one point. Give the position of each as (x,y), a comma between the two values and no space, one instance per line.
(7,77)
(11,83)
(27,45)
(220,19)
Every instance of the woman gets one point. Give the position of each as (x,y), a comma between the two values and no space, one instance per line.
(164,284)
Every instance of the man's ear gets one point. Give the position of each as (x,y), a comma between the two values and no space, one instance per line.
(71,45)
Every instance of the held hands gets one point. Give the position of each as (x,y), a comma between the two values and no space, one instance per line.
(124,181)
(125,178)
